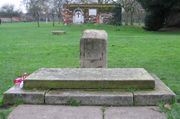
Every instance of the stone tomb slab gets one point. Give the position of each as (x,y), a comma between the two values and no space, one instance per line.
(103,98)
(113,97)
(90,78)
(14,96)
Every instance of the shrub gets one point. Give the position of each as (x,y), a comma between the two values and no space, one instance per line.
(154,21)
(157,12)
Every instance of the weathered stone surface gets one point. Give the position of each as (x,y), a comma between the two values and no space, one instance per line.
(85,112)
(89,98)
(13,96)
(161,94)
(93,49)
(55,112)
(134,113)
(58,32)
(90,78)
(110,97)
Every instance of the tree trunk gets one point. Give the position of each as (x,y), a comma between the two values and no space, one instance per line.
(53,20)
(59,15)
(11,19)
(139,21)
(132,20)
(46,20)
(126,18)
(38,24)
(59,19)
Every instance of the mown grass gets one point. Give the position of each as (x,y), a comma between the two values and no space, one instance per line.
(25,48)
(5,112)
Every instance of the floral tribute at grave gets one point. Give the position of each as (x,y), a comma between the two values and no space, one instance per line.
(18,82)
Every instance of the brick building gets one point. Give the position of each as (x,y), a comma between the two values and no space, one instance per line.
(87,13)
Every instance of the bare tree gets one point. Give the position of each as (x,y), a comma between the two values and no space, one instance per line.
(46,6)
(35,7)
(133,4)
(126,5)
(58,6)
(52,9)
(139,14)
(53,16)
(130,7)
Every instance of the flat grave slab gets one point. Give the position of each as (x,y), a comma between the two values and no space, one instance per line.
(58,32)
(90,78)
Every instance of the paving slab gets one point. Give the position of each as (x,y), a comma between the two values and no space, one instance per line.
(55,112)
(103,98)
(16,95)
(90,78)
(134,113)
(161,93)
(84,112)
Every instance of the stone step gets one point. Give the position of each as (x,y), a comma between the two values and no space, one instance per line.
(115,97)
(90,78)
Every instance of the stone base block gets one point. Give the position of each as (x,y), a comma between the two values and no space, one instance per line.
(93,49)
(161,94)
(16,96)
(89,98)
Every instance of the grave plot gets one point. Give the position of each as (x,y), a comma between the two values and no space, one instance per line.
(93,83)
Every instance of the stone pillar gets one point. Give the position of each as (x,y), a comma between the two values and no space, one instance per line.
(93,49)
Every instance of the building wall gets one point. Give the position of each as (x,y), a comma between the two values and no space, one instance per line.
(102,16)
(13,19)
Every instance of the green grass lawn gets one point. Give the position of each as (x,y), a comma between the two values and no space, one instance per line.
(26,48)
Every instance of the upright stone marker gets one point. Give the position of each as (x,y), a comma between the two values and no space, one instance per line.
(93,51)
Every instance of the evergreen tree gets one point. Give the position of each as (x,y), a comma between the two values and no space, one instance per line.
(117,15)
(157,12)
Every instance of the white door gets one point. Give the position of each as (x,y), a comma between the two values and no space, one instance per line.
(78,17)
